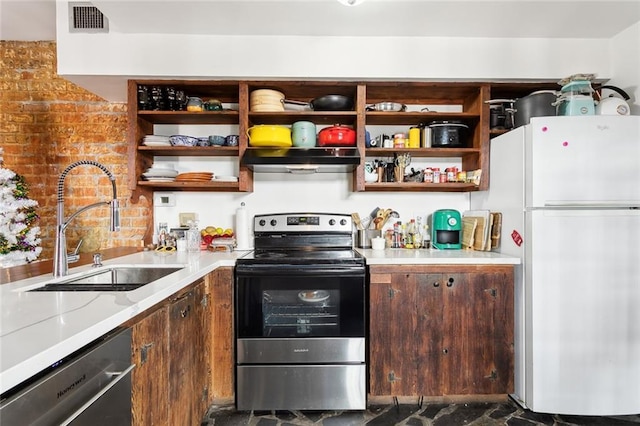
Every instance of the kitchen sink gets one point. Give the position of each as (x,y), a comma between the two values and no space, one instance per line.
(115,278)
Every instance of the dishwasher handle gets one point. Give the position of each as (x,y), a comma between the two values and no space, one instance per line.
(118,375)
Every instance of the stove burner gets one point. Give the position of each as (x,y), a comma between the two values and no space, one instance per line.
(269,255)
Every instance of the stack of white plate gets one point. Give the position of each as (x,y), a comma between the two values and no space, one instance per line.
(160,174)
(225,178)
(156,140)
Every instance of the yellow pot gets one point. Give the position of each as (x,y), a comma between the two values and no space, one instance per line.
(268,135)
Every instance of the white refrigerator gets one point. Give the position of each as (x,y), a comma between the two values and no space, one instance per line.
(569,192)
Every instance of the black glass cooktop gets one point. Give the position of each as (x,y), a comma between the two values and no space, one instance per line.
(302,257)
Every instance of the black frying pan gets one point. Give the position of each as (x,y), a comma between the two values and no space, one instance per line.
(327,103)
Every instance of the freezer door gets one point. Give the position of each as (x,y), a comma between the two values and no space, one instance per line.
(582,291)
(582,160)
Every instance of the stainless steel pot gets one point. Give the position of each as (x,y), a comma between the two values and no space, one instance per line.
(387,106)
(537,104)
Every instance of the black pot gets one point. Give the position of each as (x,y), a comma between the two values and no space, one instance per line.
(326,103)
(496,116)
(448,134)
(537,104)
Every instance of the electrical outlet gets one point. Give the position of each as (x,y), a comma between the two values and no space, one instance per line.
(164,200)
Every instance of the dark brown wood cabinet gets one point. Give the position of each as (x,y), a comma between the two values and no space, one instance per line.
(150,378)
(188,363)
(171,350)
(441,330)
(222,389)
(465,100)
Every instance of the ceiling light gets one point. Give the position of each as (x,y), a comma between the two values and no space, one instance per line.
(351,2)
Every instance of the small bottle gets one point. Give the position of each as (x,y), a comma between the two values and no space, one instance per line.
(426,238)
(404,239)
(418,238)
(411,234)
(193,237)
(397,235)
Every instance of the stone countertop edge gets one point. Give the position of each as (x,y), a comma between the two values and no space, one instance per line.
(436,257)
(38,329)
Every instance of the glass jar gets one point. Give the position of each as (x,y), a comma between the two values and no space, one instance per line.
(193,237)
(194,104)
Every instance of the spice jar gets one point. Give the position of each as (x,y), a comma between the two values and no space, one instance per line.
(399,140)
(194,104)
(213,105)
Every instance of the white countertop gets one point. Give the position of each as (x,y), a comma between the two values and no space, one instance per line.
(39,328)
(436,257)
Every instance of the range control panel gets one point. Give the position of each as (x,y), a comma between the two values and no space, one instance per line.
(303,222)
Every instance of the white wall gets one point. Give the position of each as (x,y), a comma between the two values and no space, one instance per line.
(625,64)
(283,192)
(103,62)
(278,193)
(92,60)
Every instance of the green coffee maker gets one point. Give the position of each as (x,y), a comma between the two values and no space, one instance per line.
(446,229)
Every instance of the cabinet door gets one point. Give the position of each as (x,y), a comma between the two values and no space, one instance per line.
(477,336)
(183,383)
(202,343)
(430,351)
(150,378)
(392,342)
(222,336)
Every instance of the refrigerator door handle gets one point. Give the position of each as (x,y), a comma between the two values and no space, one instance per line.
(631,205)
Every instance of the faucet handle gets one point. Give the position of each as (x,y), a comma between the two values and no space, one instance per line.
(97,260)
(76,251)
(74,256)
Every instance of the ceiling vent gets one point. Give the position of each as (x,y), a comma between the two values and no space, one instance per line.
(86,18)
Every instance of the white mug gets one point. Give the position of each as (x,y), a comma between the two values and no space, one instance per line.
(377,243)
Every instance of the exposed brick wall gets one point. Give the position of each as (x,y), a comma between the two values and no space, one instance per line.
(46,124)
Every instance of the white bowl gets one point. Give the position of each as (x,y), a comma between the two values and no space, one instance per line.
(162,166)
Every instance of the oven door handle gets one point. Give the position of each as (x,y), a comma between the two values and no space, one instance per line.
(118,375)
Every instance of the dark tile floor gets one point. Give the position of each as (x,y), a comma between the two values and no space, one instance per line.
(478,414)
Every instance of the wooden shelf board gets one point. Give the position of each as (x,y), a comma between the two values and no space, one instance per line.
(317,117)
(423,152)
(189,117)
(191,151)
(421,187)
(191,186)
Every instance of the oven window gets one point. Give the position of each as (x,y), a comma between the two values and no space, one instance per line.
(298,306)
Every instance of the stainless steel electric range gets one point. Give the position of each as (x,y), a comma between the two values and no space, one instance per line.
(300,316)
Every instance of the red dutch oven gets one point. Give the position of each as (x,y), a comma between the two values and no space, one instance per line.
(337,136)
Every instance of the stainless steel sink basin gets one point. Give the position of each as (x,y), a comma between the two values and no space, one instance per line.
(117,278)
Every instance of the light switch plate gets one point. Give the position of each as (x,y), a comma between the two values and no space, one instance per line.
(166,199)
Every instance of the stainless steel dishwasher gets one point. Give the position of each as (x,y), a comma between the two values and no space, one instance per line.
(90,387)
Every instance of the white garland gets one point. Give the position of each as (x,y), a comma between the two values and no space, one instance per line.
(13,219)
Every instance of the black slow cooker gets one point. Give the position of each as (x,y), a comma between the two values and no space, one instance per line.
(449,134)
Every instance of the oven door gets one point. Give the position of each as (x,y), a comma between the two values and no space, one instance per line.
(313,313)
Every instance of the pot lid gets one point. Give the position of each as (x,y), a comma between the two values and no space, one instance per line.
(453,123)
